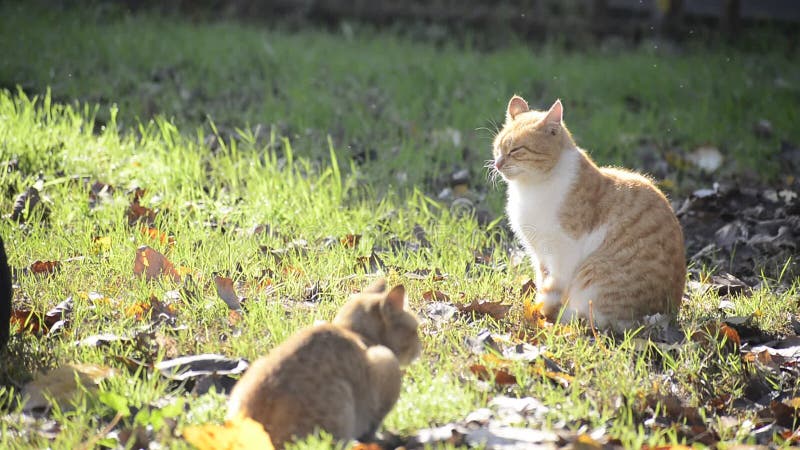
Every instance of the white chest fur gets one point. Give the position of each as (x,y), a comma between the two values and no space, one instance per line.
(533,211)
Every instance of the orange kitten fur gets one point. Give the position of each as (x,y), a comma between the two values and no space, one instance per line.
(343,377)
(604,242)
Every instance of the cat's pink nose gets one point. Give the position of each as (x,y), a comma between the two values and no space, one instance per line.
(499,162)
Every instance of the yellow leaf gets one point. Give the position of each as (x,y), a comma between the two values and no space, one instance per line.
(239,433)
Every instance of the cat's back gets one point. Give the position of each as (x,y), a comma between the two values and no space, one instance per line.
(640,268)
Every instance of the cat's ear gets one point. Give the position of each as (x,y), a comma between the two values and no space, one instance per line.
(556,113)
(396,299)
(376,287)
(554,117)
(517,105)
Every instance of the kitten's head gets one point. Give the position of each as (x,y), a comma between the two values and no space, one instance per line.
(531,142)
(381,318)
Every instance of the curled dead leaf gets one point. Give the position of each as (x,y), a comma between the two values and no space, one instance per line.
(30,322)
(350,240)
(151,264)
(438,296)
(61,384)
(158,236)
(45,267)
(500,376)
(24,202)
(496,310)
(137,213)
(226,292)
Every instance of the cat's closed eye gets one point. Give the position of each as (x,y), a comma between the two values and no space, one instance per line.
(516,149)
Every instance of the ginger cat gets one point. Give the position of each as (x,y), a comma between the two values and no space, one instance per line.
(343,377)
(604,242)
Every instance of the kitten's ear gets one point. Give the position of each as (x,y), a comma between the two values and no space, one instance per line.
(376,287)
(396,299)
(517,105)
(556,113)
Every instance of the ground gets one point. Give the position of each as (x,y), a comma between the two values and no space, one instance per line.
(281,171)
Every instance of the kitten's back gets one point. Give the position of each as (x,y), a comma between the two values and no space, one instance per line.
(343,377)
(320,377)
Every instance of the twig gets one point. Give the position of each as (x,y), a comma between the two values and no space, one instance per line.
(107,429)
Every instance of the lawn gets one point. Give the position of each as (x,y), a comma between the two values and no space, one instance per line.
(303,164)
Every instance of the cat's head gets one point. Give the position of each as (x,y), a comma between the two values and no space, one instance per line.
(380,317)
(531,142)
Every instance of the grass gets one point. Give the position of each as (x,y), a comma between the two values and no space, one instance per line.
(367,91)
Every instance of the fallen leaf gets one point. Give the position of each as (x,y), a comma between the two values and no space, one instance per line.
(350,240)
(496,310)
(99,191)
(25,202)
(150,308)
(45,267)
(586,442)
(31,322)
(425,274)
(158,236)
(151,264)
(61,384)
(372,263)
(528,289)
(187,367)
(532,313)
(226,292)
(367,446)
(501,376)
(239,433)
(787,412)
(438,296)
(101,244)
(137,213)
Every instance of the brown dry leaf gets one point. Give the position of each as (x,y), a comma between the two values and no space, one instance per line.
(157,236)
(372,263)
(787,412)
(497,310)
(26,320)
(45,267)
(350,240)
(239,433)
(31,322)
(292,271)
(367,446)
(501,376)
(152,264)
(62,383)
(426,274)
(226,292)
(25,201)
(528,289)
(141,310)
(438,296)
(137,213)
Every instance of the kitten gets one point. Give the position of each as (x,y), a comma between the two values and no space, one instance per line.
(604,242)
(343,377)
